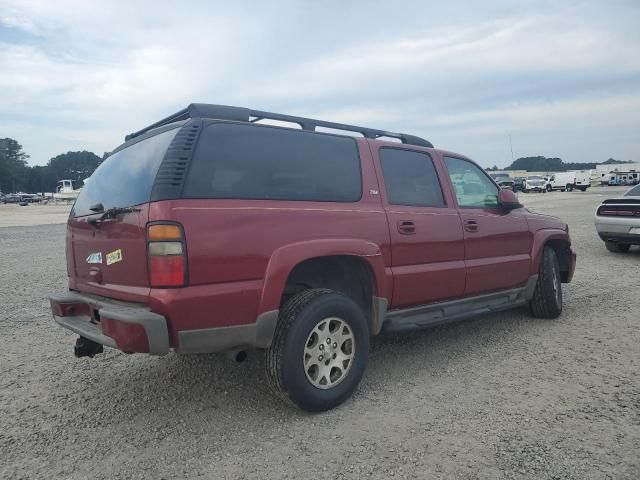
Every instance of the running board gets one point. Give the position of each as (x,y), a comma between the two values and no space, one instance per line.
(460,309)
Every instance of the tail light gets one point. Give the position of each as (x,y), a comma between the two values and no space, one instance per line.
(619,211)
(167,255)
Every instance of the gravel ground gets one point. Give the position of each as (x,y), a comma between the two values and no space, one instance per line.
(13,215)
(503,396)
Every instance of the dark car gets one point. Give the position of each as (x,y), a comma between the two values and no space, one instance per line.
(503,180)
(12,198)
(209,231)
(31,198)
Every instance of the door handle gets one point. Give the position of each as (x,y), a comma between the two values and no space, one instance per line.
(406,227)
(471,225)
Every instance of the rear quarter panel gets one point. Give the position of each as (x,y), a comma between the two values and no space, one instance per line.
(230,244)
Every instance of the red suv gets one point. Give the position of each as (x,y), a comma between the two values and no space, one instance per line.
(214,230)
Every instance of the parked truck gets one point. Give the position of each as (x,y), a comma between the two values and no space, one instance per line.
(568,181)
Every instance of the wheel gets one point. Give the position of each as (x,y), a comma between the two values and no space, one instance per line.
(544,190)
(569,187)
(583,189)
(549,188)
(547,297)
(319,350)
(616,247)
(562,189)
(525,191)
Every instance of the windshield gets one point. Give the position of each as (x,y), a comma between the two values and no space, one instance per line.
(535,178)
(634,192)
(126,177)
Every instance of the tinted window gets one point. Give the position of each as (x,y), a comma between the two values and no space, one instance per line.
(126,177)
(410,178)
(251,162)
(634,192)
(474,189)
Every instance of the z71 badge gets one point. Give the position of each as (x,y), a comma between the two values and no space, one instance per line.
(114,257)
(95,257)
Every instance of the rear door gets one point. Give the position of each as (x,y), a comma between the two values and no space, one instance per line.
(497,243)
(427,243)
(109,256)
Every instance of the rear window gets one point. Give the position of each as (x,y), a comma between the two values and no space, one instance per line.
(251,162)
(410,178)
(126,177)
(634,192)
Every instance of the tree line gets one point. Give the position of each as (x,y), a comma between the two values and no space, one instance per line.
(17,176)
(544,164)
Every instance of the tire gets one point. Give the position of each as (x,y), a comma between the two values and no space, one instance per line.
(583,189)
(301,320)
(616,247)
(547,297)
(563,190)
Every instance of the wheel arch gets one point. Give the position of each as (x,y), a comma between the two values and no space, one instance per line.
(351,266)
(561,244)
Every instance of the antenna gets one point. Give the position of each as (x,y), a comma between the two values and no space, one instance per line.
(511,146)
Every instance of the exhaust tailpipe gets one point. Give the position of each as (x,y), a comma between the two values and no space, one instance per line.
(237,355)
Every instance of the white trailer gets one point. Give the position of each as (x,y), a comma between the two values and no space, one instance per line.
(622,178)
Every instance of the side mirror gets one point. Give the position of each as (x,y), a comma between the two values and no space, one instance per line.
(507,200)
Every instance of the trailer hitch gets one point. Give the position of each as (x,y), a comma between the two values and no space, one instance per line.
(86,348)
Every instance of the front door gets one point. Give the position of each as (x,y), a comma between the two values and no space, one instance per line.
(427,242)
(497,243)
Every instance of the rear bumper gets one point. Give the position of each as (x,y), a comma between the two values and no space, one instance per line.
(629,238)
(621,229)
(129,327)
(133,328)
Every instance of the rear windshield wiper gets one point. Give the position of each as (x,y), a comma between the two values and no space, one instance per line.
(110,213)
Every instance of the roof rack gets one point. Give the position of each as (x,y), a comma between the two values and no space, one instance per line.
(224,112)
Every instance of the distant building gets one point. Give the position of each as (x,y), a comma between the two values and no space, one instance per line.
(620,167)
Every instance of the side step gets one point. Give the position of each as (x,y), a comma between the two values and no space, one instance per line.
(444,312)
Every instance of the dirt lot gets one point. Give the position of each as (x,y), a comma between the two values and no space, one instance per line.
(13,215)
(503,396)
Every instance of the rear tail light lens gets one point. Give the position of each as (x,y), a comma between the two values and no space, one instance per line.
(165,248)
(167,256)
(163,232)
(619,211)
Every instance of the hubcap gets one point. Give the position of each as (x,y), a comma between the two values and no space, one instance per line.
(328,353)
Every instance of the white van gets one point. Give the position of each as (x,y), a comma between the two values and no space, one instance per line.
(562,181)
(583,180)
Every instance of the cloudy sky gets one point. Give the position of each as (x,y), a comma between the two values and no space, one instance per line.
(562,78)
